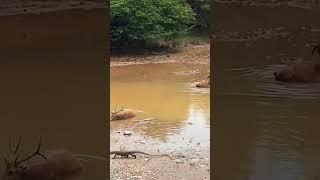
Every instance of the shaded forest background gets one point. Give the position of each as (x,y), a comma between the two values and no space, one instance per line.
(153,24)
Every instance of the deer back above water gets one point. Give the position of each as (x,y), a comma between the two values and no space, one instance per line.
(51,165)
(204,83)
(122,114)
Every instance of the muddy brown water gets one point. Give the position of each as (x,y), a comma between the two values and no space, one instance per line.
(52,77)
(177,114)
(264,129)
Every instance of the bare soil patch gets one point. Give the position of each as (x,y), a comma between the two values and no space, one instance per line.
(195,54)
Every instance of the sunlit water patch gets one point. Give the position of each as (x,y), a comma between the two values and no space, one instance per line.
(170,110)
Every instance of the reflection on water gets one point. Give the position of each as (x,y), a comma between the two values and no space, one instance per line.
(176,108)
(273,125)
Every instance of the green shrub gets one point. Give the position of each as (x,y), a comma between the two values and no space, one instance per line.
(149,20)
(202,11)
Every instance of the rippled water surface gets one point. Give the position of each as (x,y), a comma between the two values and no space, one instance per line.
(50,84)
(272,132)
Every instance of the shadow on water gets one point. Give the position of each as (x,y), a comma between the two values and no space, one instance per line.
(273,125)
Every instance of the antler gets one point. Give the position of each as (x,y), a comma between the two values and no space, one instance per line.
(10,146)
(13,152)
(16,148)
(37,152)
(115,109)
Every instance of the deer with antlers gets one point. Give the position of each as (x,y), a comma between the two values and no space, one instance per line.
(305,72)
(122,114)
(51,165)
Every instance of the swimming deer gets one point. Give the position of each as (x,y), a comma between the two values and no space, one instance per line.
(300,72)
(122,114)
(51,165)
(203,83)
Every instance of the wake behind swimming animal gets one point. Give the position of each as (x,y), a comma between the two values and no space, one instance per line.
(122,114)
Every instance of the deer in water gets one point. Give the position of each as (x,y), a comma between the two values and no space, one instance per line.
(204,83)
(122,114)
(300,72)
(51,165)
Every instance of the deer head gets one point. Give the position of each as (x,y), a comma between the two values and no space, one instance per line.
(114,113)
(15,167)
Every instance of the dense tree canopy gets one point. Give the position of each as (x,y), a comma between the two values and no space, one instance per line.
(147,20)
(202,11)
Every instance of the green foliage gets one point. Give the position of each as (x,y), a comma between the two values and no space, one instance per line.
(149,20)
(202,11)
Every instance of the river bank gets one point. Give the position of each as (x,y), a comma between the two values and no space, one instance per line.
(182,137)
(174,163)
(194,54)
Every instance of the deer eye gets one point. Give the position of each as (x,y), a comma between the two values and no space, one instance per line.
(10,172)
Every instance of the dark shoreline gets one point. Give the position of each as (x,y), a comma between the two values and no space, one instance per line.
(38,7)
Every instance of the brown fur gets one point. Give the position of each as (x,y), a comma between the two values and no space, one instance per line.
(59,165)
(123,115)
(51,165)
(204,83)
(299,72)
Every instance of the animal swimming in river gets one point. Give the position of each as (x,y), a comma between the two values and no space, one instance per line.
(122,114)
(203,83)
(51,165)
(300,72)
